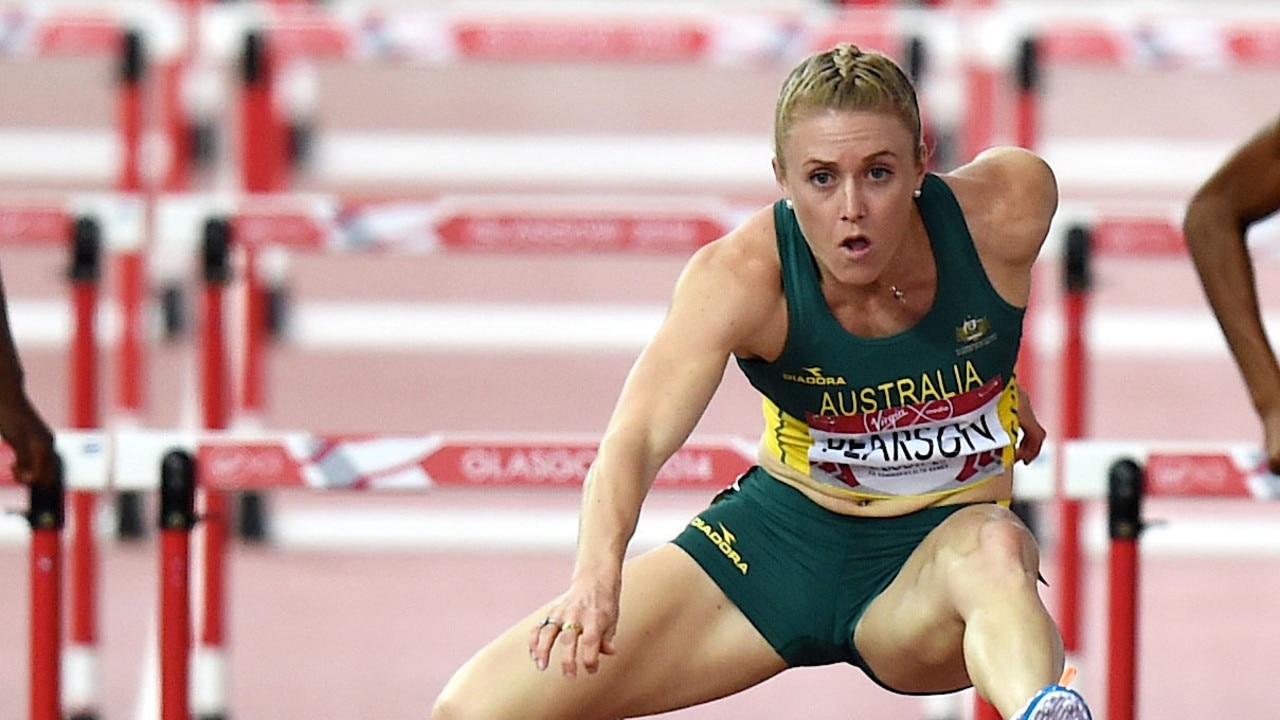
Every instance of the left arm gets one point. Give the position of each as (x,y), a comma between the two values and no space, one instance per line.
(1009,196)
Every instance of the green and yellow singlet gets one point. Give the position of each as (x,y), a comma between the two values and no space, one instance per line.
(931,410)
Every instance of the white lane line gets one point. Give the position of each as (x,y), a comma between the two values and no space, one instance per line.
(467,529)
(1142,163)
(347,530)
(413,327)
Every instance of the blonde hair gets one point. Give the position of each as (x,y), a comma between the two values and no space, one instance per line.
(846,78)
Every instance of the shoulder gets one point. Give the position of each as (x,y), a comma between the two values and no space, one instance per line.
(1008,196)
(747,254)
(730,291)
(734,283)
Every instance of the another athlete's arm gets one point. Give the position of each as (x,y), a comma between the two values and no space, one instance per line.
(1243,190)
(20,425)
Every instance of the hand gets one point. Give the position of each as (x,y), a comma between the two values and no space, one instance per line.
(32,442)
(578,627)
(1033,433)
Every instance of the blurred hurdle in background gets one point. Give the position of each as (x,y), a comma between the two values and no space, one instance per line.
(292,461)
(90,229)
(523,36)
(1123,472)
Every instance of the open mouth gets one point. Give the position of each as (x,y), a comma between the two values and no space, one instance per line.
(856,245)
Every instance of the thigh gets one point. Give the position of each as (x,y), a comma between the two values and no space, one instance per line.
(912,635)
(680,642)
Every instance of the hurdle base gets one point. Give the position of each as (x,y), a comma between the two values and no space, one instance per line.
(83,715)
(129,513)
(212,716)
(251,525)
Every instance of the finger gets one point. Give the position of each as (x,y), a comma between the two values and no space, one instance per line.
(24,473)
(607,647)
(20,466)
(570,633)
(590,646)
(37,465)
(1029,449)
(544,637)
(534,632)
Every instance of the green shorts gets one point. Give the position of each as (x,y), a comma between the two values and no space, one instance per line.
(802,574)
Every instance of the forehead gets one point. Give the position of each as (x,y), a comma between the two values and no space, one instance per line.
(825,131)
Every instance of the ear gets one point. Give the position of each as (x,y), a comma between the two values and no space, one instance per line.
(780,177)
(922,163)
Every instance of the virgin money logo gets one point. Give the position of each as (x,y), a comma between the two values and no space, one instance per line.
(1195,476)
(245,466)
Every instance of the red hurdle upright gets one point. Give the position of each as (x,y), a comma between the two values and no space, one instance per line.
(177,518)
(130,262)
(1124,512)
(209,697)
(46,516)
(1074,373)
(81,671)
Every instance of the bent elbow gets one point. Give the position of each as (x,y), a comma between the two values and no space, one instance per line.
(1210,215)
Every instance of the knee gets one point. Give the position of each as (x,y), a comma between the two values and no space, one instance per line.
(454,703)
(1001,549)
(448,707)
(451,705)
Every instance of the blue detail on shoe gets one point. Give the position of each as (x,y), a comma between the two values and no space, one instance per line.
(1056,702)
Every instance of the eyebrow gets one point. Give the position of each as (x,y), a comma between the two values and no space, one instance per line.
(867,159)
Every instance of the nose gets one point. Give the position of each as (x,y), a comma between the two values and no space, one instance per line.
(851,206)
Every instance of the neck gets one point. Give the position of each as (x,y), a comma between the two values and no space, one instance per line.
(911,271)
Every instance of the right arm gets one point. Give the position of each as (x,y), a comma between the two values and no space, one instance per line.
(715,310)
(1245,189)
(20,425)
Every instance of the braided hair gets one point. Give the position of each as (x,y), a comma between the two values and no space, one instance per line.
(845,77)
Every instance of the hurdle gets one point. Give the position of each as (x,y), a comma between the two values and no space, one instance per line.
(314,225)
(61,672)
(298,35)
(285,36)
(299,32)
(1130,40)
(1137,39)
(1121,472)
(1088,234)
(192,673)
(91,227)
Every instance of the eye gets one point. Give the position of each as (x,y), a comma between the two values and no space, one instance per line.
(821,177)
(880,173)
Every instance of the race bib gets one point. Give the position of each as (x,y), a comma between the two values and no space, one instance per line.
(926,447)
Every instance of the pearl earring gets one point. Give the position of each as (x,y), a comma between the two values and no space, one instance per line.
(790,205)
(915,193)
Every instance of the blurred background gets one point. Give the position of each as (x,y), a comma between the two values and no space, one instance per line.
(466,217)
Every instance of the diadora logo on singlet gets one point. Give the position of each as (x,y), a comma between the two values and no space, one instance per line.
(724,540)
(813,376)
(974,333)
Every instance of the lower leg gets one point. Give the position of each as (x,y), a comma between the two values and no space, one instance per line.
(1012,650)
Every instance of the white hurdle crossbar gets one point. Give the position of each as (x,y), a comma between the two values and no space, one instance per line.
(132,459)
